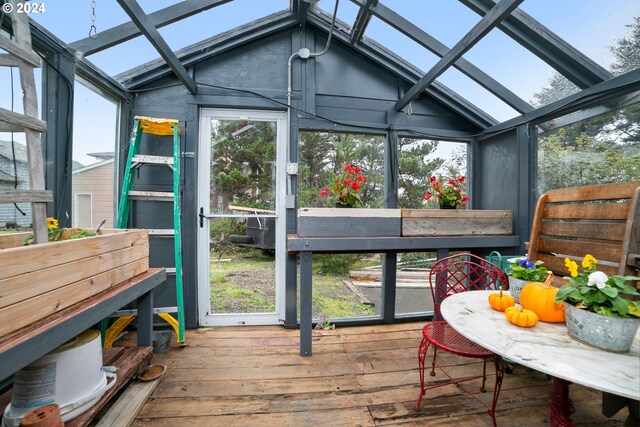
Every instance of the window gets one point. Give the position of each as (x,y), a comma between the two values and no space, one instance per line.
(590,147)
(324,155)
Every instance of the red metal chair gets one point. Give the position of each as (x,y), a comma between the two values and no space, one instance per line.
(451,275)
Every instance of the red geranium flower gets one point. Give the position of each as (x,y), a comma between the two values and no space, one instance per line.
(449,192)
(345,187)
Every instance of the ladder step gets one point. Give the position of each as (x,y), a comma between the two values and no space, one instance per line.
(153,160)
(159,232)
(160,196)
(134,312)
(171,270)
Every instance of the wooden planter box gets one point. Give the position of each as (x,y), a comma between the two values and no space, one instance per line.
(455,222)
(348,222)
(39,280)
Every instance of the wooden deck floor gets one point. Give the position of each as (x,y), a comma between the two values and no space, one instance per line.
(358,376)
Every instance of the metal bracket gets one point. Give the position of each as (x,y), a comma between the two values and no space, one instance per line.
(188,154)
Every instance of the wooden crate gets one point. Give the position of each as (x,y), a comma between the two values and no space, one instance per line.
(348,222)
(39,280)
(455,222)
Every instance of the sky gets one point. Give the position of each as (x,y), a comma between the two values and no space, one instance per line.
(592,26)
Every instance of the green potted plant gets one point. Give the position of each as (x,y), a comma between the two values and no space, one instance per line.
(450,193)
(523,271)
(345,187)
(600,310)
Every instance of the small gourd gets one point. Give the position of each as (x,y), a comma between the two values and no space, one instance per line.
(523,318)
(540,298)
(501,301)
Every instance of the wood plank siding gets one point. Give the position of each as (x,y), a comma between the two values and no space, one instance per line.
(366,375)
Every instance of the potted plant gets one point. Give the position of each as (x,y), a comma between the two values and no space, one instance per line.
(522,272)
(601,311)
(450,193)
(345,187)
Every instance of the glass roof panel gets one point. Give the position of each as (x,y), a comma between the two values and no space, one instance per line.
(119,58)
(400,44)
(446,20)
(177,35)
(218,20)
(591,26)
(515,67)
(347,11)
(77,19)
(477,95)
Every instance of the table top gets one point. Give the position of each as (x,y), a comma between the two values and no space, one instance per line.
(547,347)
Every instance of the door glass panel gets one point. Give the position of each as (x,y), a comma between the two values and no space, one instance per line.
(242,227)
(243,155)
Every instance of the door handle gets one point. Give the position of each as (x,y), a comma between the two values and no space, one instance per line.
(202,217)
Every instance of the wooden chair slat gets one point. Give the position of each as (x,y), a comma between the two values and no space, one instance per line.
(602,251)
(585,230)
(622,190)
(614,211)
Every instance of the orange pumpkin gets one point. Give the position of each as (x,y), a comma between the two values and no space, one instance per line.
(540,298)
(523,318)
(501,301)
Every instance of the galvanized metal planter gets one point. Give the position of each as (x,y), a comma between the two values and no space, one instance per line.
(515,287)
(604,332)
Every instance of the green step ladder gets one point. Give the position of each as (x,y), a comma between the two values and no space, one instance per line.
(159,127)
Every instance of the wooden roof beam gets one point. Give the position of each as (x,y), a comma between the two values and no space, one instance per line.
(127,31)
(137,15)
(482,28)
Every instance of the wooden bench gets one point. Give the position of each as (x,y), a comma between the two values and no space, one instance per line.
(34,341)
(601,220)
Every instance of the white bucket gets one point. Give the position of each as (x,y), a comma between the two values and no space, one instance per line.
(71,376)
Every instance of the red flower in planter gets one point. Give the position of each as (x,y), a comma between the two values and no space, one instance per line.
(448,192)
(346,186)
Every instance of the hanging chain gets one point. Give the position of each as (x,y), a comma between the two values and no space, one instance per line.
(93,30)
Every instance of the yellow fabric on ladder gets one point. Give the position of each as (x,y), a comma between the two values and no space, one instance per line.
(155,126)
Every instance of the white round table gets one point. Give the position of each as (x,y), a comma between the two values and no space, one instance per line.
(546,348)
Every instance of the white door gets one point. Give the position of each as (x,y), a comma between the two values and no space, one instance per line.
(241,247)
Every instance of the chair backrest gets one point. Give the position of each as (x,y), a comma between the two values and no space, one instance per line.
(601,220)
(461,273)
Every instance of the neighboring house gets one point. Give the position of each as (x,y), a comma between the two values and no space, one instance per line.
(8,211)
(92,189)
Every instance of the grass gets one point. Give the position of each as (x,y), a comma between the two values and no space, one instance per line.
(240,285)
(334,308)
(252,301)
